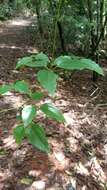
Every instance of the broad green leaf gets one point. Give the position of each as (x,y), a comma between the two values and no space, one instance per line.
(5,88)
(77,63)
(37,96)
(48,80)
(39,60)
(19,133)
(24,61)
(52,112)
(36,137)
(22,87)
(28,114)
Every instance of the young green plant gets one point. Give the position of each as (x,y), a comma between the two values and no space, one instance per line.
(47,78)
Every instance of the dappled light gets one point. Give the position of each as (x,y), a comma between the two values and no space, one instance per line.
(74,146)
(9,143)
(18,22)
(27,49)
(53,95)
(14,100)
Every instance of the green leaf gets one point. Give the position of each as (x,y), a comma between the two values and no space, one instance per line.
(37,138)
(77,63)
(5,88)
(48,80)
(26,181)
(22,87)
(52,112)
(3,151)
(39,60)
(37,96)
(28,114)
(19,133)
(24,61)
(18,117)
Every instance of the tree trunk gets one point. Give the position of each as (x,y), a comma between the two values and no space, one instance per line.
(38,5)
(59,25)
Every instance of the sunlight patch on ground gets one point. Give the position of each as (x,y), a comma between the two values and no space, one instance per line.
(81,169)
(105,150)
(40,185)
(58,158)
(59,161)
(96,170)
(9,142)
(4,175)
(13,47)
(16,101)
(69,118)
(35,173)
(19,22)
(72,144)
(1,30)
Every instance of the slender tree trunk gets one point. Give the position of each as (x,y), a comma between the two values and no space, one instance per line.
(96,34)
(60,29)
(92,35)
(90,15)
(101,13)
(96,49)
(59,25)
(38,5)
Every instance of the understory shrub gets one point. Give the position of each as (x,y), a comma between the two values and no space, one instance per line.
(47,78)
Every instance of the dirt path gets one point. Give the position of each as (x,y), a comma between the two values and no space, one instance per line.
(78,160)
(15,42)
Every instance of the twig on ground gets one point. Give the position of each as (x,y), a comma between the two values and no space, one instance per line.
(6,110)
(92,99)
(94,91)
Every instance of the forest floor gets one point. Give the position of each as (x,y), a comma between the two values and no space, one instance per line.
(78,160)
